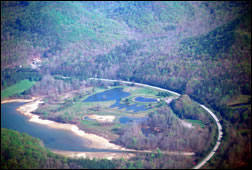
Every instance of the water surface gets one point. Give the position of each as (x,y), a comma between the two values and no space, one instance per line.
(115,94)
(143,99)
(58,139)
(126,119)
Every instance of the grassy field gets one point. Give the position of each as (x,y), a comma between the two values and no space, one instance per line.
(195,122)
(70,109)
(17,88)
(102,108)
(139,92)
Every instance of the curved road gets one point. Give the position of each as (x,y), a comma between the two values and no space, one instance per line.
(220,133)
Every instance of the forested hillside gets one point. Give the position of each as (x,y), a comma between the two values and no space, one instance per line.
(21,151)
(199,49)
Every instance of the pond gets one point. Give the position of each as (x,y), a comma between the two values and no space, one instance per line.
(143,99)
(52,138)
(89,119)
(115,94)
(126,119)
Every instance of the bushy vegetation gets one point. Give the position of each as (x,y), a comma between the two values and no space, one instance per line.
(163,130)
(21,151)
(185,108)
(12,76)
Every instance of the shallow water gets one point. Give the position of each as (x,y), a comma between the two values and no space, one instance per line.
(58,139)
(126,119)
(89,119)
(143,99)
(115,94)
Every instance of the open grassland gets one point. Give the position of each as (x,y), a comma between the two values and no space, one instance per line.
(195,122)
(141,92)
(70,107)
(101,129)
(102,108)
(17,88)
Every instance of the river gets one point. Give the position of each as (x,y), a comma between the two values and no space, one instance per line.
(57,139)
(64,140)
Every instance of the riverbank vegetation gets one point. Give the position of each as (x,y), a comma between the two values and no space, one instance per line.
(17,89)
(70,108)
(200,49)
(163,130)
(21,151)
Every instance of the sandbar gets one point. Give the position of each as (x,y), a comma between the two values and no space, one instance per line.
(94,140)
(17,100)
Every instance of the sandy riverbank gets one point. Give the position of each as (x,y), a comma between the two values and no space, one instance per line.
(94,140)
(17,100)
(91,155)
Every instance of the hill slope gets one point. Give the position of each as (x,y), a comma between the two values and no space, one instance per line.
(202,49)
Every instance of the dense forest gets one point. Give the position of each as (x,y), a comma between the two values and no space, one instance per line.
(199,49)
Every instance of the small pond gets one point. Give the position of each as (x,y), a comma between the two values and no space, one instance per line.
(115,94)
(143,99)
(89,119)
(126,119)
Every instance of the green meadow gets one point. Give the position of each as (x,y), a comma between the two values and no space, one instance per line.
(17,88)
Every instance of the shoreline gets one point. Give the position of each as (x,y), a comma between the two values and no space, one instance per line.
(92,155)
(18,100)
(94,140)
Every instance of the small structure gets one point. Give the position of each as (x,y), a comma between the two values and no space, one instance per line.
(35,63)
(168,101)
